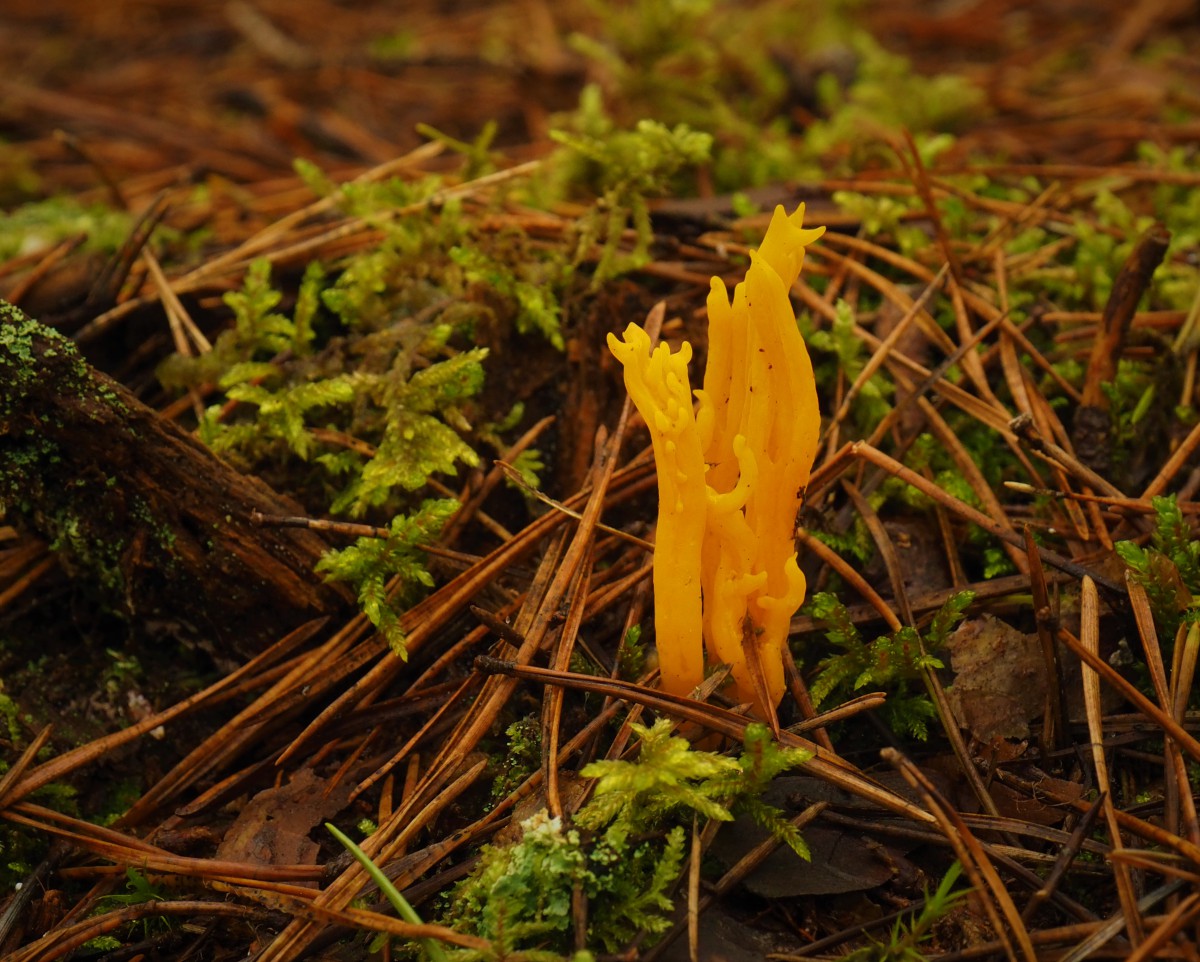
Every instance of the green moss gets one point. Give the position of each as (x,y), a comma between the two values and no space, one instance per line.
(33,467)
(21,339)
(98,555)
(626,847)
(622,168)
(1169,569)
(42,224)
(10,713)
(718,66)
(520,759)
(895,662)
(371,564)
(21,849)
(369,377)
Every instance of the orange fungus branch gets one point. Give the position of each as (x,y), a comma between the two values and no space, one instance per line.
(730,474)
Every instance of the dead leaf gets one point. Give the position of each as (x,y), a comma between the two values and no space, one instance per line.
(273,827)
(1000,681)
(842,860)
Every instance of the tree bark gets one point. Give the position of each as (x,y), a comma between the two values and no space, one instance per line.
(142,509)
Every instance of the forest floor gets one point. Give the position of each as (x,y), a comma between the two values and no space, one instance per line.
(323,501)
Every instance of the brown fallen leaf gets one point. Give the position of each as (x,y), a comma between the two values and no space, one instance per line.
(999,682)
(273,827)
(842,860)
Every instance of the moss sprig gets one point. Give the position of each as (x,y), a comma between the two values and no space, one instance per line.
(371,564)
(894,662)
(625,849)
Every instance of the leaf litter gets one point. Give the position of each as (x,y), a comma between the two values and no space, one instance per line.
(1020,256)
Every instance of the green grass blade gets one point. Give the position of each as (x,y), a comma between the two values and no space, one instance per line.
(432,947)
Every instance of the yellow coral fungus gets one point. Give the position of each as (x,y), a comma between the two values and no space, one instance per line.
(731,474)
(658,384)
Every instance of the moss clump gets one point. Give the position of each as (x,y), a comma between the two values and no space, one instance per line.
(42,224)
(625,849)
(19,357)
(35,480)
(896,662)
(825,97)
(368,378)
(1169,569)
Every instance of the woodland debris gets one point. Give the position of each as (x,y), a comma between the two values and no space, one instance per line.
(142,510)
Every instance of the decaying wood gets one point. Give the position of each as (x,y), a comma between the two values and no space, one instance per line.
(140,508)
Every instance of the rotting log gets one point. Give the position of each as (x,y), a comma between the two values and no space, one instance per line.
(140,508)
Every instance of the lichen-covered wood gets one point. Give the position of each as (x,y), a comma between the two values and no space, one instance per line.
(140,508)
